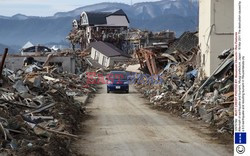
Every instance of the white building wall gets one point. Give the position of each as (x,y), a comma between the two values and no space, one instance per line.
(108,61)
(100,58)
(92,55)
(84,19)
(117,21)
(204,31)
(88,33)
(215,31)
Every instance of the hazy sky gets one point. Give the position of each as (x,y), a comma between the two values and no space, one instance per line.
(48,7)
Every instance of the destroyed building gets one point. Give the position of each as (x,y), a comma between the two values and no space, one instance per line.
(154,58)
(181,92)
(107,54)
(185,43)
(178,87)
(41,56)
(196,71)
(140,39)
(15,62)
(35,50)
(109,27)
(41,107)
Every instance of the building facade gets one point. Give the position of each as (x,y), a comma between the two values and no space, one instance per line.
(216,26)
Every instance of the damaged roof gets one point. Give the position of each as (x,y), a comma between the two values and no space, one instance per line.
(185,43)
(95,18)
(108,49)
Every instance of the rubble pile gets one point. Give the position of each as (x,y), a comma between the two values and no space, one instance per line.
(214,99)
(170,84)
(80,36)
(123,65)
(178,87)
(38,113)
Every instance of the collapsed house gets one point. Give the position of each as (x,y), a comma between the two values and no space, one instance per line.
(109,27)
(106,54)
(152,59)
(67,60)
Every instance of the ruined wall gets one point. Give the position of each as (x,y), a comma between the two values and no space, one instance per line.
(16,62)
(100,60)
(92,53)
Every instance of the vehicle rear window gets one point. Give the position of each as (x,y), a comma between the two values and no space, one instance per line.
(117,75)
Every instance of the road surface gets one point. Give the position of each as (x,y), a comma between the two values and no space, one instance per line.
(123,125)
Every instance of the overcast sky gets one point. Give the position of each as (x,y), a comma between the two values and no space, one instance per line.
(48,7)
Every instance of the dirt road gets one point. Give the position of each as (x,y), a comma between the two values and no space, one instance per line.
(122,124)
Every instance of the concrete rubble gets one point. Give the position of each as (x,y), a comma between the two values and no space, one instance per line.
(38,111)
(177,84)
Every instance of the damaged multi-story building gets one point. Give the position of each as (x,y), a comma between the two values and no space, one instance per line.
(109,27)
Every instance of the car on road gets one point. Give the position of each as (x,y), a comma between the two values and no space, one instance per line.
(117,81)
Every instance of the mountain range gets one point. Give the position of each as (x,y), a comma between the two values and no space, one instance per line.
(176,15)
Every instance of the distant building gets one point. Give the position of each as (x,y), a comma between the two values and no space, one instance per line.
(216,26)
(75,24)
(55,48)
(185,43)
(100,19)
(35,50)
(140,39)
(27,45)
(15,62)
(107,54)
(38,55)
(100,26)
